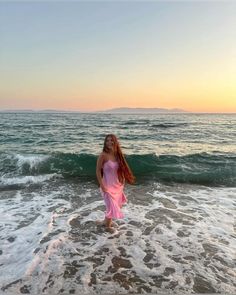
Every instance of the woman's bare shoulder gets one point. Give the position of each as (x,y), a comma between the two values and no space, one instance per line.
(102,156)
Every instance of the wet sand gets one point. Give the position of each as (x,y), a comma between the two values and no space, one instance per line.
(175,239)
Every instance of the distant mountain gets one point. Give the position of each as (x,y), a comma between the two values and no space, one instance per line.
(144,110)
(115,110)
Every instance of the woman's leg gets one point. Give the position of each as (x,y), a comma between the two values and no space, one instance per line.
(109,225)
(108,222)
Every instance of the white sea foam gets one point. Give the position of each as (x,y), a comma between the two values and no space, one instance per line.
(32,160)
(26,221)
(20,180)
(180,238)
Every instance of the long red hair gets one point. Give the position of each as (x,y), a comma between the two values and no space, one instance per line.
(124,172)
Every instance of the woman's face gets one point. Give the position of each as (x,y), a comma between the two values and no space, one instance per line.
(110,143)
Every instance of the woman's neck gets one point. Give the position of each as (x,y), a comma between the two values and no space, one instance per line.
(111,152)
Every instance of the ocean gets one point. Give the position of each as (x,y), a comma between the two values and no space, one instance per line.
(179,230)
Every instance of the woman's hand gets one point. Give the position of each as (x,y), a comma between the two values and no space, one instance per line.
(122,182)
(103,188)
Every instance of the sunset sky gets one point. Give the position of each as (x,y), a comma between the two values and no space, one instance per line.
(89,56)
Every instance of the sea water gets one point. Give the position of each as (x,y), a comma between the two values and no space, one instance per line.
(179,230)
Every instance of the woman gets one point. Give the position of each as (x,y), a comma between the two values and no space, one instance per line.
(112,172)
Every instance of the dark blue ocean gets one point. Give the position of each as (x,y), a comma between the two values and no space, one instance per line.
(178,234)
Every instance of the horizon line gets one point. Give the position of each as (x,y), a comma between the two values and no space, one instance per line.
(112,111)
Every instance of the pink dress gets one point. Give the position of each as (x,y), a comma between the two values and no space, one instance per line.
(115,197)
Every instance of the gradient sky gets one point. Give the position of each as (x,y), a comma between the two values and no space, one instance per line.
(100,55)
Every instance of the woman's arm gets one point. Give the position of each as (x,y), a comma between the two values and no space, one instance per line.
(100,162)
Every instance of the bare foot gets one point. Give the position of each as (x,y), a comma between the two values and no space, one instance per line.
(103,223)
(111,230)
(114,224)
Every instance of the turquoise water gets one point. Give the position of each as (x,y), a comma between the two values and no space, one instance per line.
(178,234)
(175,134)
(188,148)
